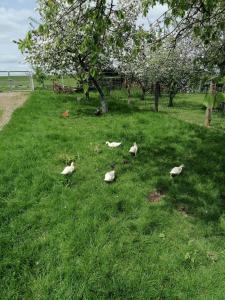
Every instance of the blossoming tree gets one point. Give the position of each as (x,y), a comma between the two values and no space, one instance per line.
(78,37)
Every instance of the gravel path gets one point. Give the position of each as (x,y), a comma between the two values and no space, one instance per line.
(8,103)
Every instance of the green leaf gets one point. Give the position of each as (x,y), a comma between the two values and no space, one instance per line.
(197,30)
(119,14)
(167,21)
(209,101)
(85,87)
(93,72)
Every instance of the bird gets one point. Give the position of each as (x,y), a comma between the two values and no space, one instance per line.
(113,144)
(176,171)
(66,114)
(68,169)
(133,150)
(110,176)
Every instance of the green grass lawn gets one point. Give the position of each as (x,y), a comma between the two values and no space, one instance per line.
(84,239)
(187,107)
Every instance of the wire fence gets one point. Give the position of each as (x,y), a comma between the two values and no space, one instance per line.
(12,81)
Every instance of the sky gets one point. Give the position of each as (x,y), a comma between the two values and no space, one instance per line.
(14,23)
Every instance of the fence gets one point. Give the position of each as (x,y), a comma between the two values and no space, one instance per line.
(11,81)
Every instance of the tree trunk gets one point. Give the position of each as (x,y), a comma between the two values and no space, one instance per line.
(208,117)
(102,96)
(208,113)
(152,88)
(129,93)
(157,93)
(171,96)
(200,86)
(143,93)
(99,89)
(87,95)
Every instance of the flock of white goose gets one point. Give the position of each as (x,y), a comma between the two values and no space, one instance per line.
(111,175)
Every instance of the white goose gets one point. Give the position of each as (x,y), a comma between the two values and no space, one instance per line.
(110,176)
(68,169)
(176,171)
(113,144)
(133,150)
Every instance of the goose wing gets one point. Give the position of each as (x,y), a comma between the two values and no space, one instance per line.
(110,176)
(176,171)
(114,144)
(67,170)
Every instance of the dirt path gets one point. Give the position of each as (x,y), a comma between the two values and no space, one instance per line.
(8,103)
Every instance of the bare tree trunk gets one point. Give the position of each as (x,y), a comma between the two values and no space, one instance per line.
(87,95)
(143,93)
(128,87)
(208,114)
(170,100)
(102,96)
(200,86)
(129,94)
(208,117)
(99,89)
(157,94)
(152,88)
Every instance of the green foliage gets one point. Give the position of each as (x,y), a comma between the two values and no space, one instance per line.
(220,97)
(85,87)
(208,26)
(40,76)
(209,100)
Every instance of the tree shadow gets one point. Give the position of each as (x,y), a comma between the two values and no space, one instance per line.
(200,187)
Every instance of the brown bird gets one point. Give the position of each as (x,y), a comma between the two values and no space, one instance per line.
(66,114)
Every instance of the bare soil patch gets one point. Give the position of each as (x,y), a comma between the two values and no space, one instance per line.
(8,103)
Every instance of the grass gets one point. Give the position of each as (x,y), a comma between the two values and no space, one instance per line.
(18,82)
(85,239)
(187,107)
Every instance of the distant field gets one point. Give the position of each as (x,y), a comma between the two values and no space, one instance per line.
(23,83)
(14,83)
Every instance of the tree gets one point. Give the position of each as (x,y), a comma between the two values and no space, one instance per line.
(172,67)
(153,66)
(203,18)
(213,56)
(210,100)
(78,37)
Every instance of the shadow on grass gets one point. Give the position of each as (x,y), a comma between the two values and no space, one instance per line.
(200,187)
(116,107)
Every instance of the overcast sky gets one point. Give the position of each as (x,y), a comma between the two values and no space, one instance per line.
(14,23)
